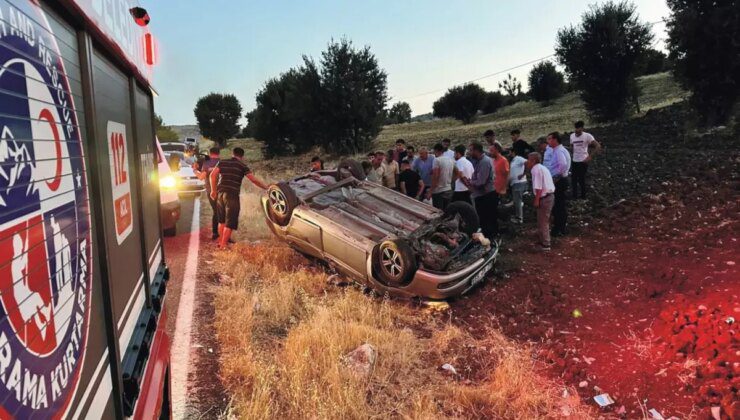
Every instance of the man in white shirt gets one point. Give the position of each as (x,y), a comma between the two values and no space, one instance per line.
(580,141)
(464,171)
(544,197)
(447,152)
(518,184)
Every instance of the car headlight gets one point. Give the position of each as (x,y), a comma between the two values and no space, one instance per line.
(167,182)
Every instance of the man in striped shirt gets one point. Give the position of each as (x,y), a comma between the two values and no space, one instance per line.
(226,183)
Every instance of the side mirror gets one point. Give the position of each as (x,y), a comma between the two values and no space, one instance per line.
(140,15)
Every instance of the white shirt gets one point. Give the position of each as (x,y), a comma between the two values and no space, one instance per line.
(516,168)
(542,180)
(449,154)
(465,168)
(446,169)
(580,145)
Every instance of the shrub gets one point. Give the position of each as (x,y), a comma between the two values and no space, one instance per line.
(164,132)
(704,42)
(492,102)
(546,83)
(460,102)
(399,113)
(600,55)
(651,62)
(218,116)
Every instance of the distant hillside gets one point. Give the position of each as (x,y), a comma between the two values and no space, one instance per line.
(184,131)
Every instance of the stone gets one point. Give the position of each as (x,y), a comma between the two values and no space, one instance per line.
(361,361)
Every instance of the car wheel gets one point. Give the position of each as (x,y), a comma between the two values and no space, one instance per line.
(394,262)
(170,231)
(469,222)
(281,201)
(353,167)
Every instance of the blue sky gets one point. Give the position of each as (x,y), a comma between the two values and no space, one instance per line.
(234,46)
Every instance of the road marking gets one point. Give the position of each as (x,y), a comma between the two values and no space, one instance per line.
(180,352)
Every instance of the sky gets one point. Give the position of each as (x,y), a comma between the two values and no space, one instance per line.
(425,47)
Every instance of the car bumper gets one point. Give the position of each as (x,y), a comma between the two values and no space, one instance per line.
(170,214)
(442,286)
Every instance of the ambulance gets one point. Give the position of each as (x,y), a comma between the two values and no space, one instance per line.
(82,273)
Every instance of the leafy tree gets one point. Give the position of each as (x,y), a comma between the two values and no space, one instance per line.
(164,132)
(460,102)
(511,86)
(218,116)
(704,42)
(600,55)
(652,61)
(399,113)
(492,102)
(288,115)
(546,83)
(353,97)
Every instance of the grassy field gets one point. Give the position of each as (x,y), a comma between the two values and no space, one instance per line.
(284,325)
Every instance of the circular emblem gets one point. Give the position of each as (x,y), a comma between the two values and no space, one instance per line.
(45,268)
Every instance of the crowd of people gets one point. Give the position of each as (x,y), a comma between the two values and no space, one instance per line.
(485,174)
(482,173)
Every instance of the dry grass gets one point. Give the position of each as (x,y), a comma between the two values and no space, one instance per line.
(283,331)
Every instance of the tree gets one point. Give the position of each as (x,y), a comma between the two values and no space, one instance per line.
(460,102)
(288,117)
(652,61)
(704,43)
(546,83)
(218,116)
(511,86)
(353,97)
(492,102)
(399,113)
(600,55)
(164,132)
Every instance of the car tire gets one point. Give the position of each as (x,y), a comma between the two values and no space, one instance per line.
(394,262)
(170,231)
(469,222)
(353,167)
(281,201)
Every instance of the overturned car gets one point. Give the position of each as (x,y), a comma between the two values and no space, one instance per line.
(380,237)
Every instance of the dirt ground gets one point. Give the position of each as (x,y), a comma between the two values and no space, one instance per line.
(639,299)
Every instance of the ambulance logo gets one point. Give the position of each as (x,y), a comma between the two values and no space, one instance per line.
(45,266)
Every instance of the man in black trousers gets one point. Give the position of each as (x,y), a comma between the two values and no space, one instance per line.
(557,161)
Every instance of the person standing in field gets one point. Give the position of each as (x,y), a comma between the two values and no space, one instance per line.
(518,185)
(376,171)
(581,141)
(411,155)
(226,179)
(557,161)
(443,170)
(489,137)
(447,152)
(400,153)
(464,171)
(481,189)
(519,144)
(500,175)
(423,166)
(391,171)
(410,181)
(204,173)
(544,191)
